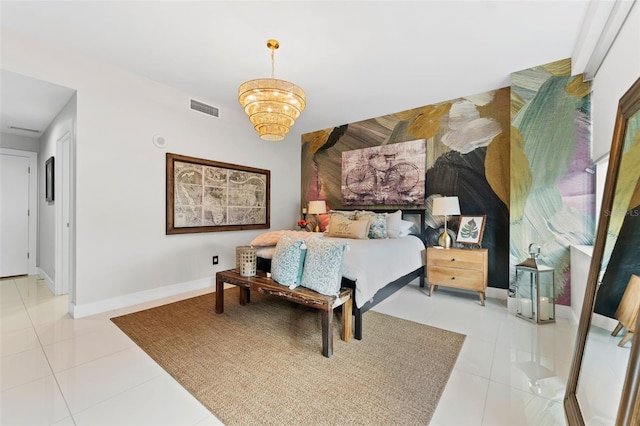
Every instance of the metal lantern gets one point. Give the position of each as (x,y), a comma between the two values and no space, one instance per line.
(535,295)
(246,261)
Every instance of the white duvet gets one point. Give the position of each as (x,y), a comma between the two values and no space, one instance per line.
(372,264)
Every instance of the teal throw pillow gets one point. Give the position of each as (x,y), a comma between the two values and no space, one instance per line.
(288,261)
(323,265)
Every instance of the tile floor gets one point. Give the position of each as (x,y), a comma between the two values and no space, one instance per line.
(58,371)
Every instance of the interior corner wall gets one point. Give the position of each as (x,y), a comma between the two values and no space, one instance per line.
(65,121)
(552,184)
(467,155)
(122,250)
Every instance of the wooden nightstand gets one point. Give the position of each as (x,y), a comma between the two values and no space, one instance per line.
(458,267)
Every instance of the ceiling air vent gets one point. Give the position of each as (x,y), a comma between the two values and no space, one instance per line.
(204,108)
(24,130)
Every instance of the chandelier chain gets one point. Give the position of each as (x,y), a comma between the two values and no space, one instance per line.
(272,63)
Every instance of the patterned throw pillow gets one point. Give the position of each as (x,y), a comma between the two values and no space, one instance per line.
(323,266)
(377,223)
(288,261)
(340,227)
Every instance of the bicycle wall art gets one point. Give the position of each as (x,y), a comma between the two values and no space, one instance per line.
(391,174)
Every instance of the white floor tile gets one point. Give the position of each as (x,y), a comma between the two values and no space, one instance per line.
(463,400)
(38,402)
(160,401)
(95,381)
(18,341)
(23,367)
(67,328)
(509,371)
(510,407)
(544,377)
(86,347)
(14,320)
(476,357)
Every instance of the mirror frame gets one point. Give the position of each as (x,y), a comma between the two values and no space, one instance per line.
(629,407)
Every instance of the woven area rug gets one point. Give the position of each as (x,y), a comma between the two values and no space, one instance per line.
(262,363)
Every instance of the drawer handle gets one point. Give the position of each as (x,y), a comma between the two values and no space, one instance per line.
(453,278)
(453,259)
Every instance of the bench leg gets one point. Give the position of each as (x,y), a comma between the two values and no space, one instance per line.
(245,295)
(327,333)
(219,296)
(347,320)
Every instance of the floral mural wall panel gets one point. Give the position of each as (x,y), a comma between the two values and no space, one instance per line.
(552,189)
(467,153)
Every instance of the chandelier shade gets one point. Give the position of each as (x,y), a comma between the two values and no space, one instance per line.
(272,105)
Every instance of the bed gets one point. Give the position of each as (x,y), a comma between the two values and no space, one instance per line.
(376,268)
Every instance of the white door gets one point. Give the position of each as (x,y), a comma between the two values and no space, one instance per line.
(14,215)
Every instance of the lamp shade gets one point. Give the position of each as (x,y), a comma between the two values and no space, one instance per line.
(446,206)
(317,207)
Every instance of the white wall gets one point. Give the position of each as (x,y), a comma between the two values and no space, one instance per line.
(21,143)
(121,246)
(64,122)
(621,67)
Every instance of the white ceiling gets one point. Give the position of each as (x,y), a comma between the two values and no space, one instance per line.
(354,59)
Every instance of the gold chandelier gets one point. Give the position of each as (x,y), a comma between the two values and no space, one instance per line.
(272,105)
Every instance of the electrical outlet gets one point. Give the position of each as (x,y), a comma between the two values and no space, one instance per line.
(215,260)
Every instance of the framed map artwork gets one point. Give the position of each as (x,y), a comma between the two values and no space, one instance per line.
(210,196)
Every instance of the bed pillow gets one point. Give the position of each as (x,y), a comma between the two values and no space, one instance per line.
(393,224)
(271,238)
(347,214)
(339,227)
(405,228)
(323,266)
(288,261)
(377,223)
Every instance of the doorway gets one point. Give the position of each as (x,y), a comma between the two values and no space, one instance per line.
(18,212)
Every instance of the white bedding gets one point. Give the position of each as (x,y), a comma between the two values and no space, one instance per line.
(372,264)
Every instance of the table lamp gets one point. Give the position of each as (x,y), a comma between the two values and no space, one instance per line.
(445,206)
(317,207)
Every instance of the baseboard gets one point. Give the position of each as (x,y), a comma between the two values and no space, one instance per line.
(86,309)
(47,279)
(496,293)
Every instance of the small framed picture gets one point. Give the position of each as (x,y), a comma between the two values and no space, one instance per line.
(471,229)
(49,173)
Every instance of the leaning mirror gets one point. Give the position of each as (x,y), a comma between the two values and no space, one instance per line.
(615,262)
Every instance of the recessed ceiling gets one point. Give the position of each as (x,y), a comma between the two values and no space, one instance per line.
(354,59)
(29,105)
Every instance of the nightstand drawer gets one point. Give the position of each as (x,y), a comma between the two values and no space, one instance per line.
(466,259)
(467,279)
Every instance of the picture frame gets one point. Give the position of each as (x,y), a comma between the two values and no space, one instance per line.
(49,179)
(471,229)
(210,196)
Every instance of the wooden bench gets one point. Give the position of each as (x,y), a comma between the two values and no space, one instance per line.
(301,295)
